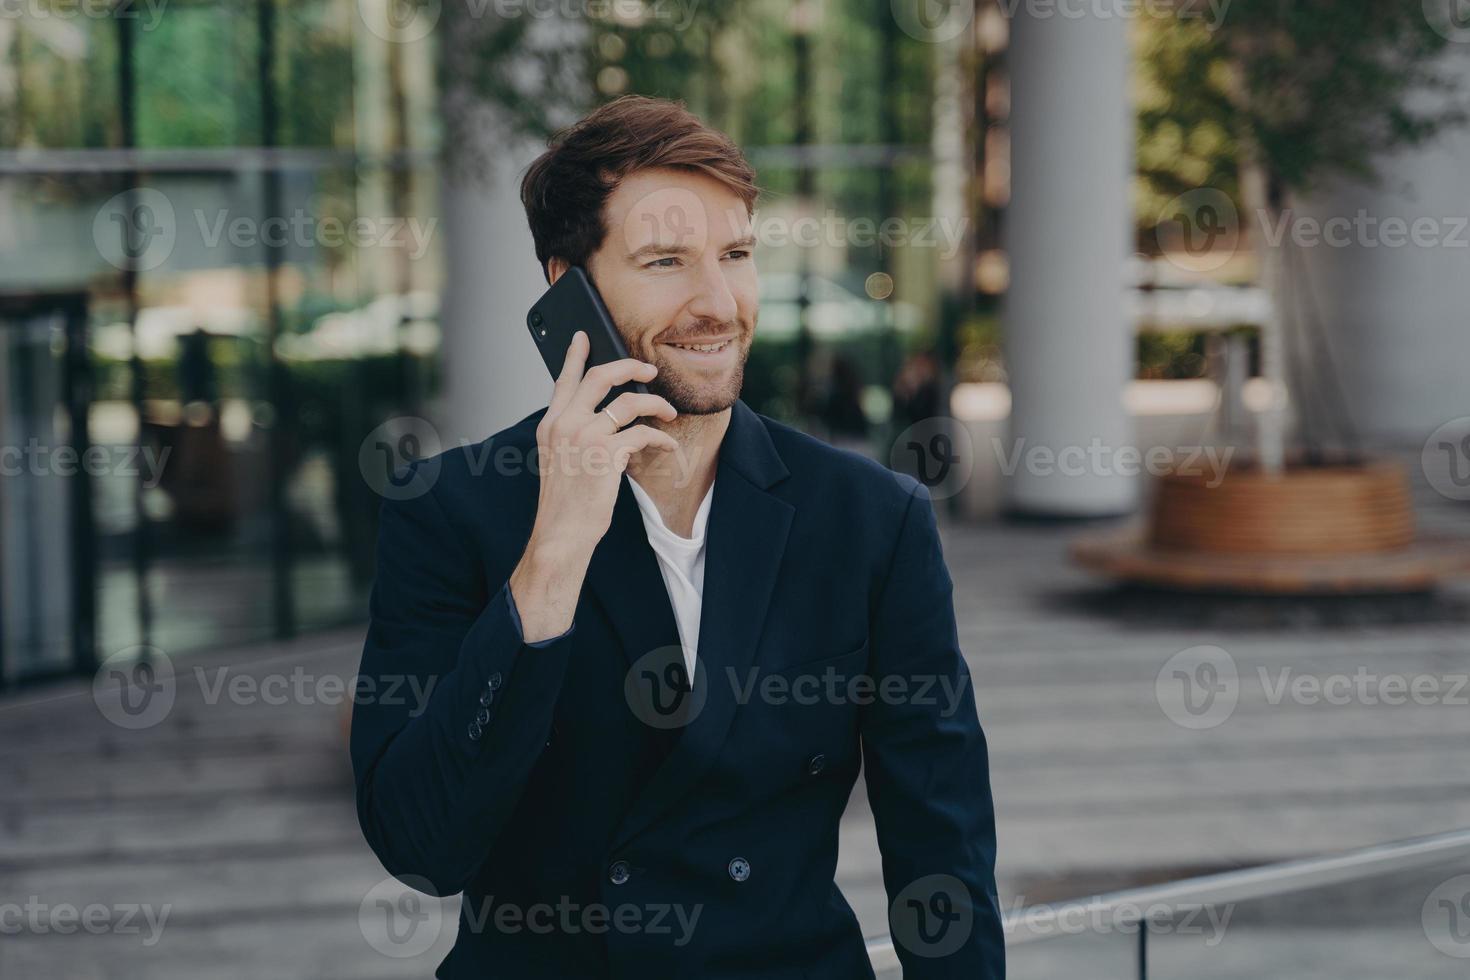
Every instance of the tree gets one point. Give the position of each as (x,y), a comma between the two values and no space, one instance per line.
(1307,91)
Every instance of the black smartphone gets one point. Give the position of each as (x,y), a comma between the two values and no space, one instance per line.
(573,304)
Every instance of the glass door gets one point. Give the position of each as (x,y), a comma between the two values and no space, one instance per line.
(45,569)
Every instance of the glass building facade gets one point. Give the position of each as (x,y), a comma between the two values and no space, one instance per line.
(218,273)
(221,268)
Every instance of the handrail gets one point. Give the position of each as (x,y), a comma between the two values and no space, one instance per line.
(1039,922)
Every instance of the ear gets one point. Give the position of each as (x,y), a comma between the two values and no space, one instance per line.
(555,269)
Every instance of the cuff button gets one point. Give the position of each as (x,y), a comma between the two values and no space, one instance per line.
(475,731)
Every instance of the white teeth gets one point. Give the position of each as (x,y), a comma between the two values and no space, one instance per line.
(706,348)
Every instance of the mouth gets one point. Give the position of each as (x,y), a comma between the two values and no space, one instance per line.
(709,347)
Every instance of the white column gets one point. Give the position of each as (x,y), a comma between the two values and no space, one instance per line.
(493,373)
(1069,346)
(1396,311)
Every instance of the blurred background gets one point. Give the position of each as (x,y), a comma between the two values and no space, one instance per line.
(1165,300)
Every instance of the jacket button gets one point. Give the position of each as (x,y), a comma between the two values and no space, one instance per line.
(475,732)
(486,697)
(618,873)
(816,764)
(495,681)
(483,717)
(739,869)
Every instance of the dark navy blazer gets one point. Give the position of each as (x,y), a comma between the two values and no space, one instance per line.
(550,787)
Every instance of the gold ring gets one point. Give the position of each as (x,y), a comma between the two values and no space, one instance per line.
(616,424)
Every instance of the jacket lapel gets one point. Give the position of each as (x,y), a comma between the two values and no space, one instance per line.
(746,541)
(624,576)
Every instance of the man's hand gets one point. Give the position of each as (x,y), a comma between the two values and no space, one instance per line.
(583,455)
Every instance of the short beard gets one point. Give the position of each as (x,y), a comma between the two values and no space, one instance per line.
(689,399)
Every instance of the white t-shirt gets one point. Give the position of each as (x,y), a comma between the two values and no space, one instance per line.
(681,563)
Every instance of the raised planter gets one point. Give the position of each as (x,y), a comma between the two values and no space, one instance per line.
(1329,529)
(1303,511)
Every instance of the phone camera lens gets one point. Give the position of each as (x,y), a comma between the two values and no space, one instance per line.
(536,320)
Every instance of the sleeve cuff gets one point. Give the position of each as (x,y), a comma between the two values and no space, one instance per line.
(515,618)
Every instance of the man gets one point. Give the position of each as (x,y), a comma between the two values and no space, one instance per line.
(660,657)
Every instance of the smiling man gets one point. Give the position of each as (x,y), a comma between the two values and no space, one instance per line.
(661,658)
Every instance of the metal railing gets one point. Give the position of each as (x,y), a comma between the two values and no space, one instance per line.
(1132,906)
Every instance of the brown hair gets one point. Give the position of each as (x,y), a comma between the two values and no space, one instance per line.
(565,189)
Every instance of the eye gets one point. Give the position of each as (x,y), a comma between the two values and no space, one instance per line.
(659,263)
(739,254)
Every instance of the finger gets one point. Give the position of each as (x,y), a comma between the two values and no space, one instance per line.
(637,438)
(599,380)
(571,374)
(631,405)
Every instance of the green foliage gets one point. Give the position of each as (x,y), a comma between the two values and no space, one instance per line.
(1320,87)
(1186,130)
(1307,89)
(1170,355)
(53,91)
(196,79)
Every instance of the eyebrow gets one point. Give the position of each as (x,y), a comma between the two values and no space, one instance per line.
(655,248)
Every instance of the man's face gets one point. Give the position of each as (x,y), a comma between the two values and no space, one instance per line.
(677,272)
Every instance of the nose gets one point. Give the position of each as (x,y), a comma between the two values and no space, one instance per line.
(714,300)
